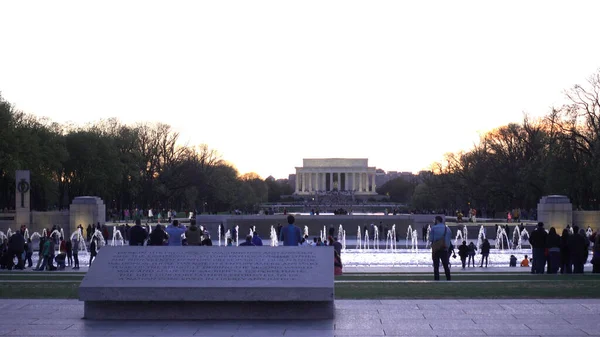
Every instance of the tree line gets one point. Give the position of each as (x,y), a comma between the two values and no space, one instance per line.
(515,165)
(140,166)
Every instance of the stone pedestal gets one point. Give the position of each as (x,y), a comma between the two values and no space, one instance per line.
(86,211)
(555,211)
(23,198)
(190,282)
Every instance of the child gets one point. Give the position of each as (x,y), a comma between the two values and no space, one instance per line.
(525,262)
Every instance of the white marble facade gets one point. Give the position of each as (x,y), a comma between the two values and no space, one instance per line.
(339,174)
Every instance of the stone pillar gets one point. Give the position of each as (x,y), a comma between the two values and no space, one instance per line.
(373,184)
(360,182)
(23,198)
(86,210)
(316,181)
(555,211)
(297,182)
(331,181)
(303,181)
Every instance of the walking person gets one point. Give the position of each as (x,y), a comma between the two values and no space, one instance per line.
(565,254)
(75,251)
(471,251)
(553,246)
(463,252)
(291,235)
(578,250)
(69,251)
(175,231)
(537,240)
(485,252)
(596,255)
(29,253)
(440,238)
(93,250)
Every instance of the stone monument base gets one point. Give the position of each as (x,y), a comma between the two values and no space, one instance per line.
(202,283)
(208,310)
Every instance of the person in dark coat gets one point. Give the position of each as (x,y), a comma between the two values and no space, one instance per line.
(578,250)
(596,255)
(158,237)
(485,252)
(248,241)
(137,234)
(69,252)
(93,250)
(471,249)
(206,241)
(553,246)
(16,246)
(463,252)
(538,248)
(565,254)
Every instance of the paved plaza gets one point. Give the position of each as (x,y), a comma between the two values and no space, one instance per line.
(524,317)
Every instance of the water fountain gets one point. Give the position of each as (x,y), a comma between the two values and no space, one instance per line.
(306,231)
(409,238)
(480,236)
(26,234)
(390,241)
(99,239)
(589,232)
(358,239)
(459,238)
(33,237)
(375,237)
(3,236)
(237,235)
(274,240)
(500,238)
(366,241)
(9,233)
(117,239)
(324,234)
(77,235)
(524,234)
(219,235)
(227,236)
(427,243)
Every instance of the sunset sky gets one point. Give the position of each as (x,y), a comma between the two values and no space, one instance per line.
(268,83)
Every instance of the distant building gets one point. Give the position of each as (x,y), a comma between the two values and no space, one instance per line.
(335,174)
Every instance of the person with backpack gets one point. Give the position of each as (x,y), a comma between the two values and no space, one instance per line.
(471,254)
(440,238)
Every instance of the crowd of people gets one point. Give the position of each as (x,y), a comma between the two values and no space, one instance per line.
(552,253)
(20,248)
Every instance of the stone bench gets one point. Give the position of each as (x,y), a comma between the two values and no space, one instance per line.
(190,282)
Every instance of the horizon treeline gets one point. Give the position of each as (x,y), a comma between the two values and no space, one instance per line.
(141,166)
(515,165)
(138,166)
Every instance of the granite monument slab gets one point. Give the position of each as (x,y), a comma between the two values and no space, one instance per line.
(191,282)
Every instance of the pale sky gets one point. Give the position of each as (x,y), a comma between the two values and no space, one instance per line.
(268,83)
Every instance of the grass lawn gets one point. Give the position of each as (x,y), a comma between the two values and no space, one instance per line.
(380,286)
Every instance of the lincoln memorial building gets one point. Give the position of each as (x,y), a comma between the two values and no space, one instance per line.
(335,174)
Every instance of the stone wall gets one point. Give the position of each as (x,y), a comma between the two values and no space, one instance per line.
(583,219)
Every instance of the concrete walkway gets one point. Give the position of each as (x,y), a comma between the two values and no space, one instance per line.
(530,317)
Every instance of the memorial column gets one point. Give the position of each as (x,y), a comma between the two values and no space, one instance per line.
(360,182)
(303,181)
(297,181)
(331,180)
(373,184)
